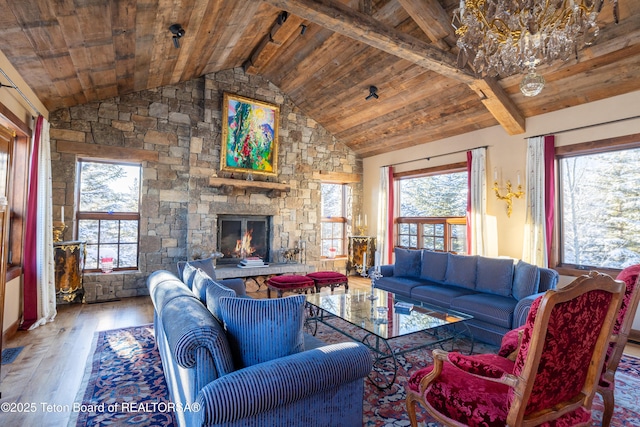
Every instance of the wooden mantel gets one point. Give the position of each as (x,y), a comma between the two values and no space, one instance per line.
(273,189)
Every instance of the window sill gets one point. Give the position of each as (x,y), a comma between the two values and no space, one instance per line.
(113,273)
(570,270)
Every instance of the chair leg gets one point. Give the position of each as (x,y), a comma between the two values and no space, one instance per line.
(411,401)
(609,405)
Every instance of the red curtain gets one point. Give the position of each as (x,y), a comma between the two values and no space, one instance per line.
(469,235)
(30,279)
(549,183)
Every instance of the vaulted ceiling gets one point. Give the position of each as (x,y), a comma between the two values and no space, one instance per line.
(73,52)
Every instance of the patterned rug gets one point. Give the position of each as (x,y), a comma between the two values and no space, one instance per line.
(124,382)
(387,407)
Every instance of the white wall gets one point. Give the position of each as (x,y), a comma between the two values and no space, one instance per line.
(508,153)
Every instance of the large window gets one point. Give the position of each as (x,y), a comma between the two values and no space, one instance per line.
(334,219)
(600,208)
(432,212)
(108,213)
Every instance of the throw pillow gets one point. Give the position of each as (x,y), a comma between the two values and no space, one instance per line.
(260,330)
(205,265)
(461,271)
(214,292)
(408,262)
(201,281)
(188,274)
(525,280)
(495,275)
(434,265)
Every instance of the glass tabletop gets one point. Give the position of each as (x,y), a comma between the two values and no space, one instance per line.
(387,316)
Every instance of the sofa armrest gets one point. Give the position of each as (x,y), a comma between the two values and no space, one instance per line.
(521,311)
(189,328)
(265,386)
(387,270)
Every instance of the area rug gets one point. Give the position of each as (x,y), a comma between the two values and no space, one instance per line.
(125,372)
(124,381)
(387,407)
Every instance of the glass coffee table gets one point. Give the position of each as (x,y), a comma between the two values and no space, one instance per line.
(380,320)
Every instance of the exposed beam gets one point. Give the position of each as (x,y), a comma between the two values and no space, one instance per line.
(500,105)
(358,26)
(433,20)
(271,42)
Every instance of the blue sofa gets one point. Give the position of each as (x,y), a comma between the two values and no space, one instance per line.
(497,292)
(213,381)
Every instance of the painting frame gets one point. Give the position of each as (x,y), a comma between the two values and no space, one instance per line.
(249,136)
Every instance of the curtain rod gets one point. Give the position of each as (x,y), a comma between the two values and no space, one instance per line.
(585,127)
(14,86)
(433,157)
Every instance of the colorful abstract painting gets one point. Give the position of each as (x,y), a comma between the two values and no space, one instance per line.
(249,136)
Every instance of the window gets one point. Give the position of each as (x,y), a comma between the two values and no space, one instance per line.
(600,206)
(334,219)
(433,211)
(16,135)
(108,212)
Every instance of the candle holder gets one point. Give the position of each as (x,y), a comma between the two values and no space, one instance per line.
(58,231)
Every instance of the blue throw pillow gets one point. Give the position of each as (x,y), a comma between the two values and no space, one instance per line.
(494,275)
(408,262)
(260,330)
(526,280)
(461,271)
(434,265)
(205,265)
(214,292)
(188,274)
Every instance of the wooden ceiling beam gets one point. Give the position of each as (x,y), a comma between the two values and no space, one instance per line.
(433,20)
(358,26)
(271,42)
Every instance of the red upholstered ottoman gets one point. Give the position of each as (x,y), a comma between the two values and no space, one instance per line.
(329,278)
(289,282)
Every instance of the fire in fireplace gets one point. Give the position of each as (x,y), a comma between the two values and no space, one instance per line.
(242,236)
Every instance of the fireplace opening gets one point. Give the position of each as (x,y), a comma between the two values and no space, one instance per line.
(243,236)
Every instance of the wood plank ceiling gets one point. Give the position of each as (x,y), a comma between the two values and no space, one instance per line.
(74,52)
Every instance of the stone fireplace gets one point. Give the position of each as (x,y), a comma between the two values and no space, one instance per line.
(242,236)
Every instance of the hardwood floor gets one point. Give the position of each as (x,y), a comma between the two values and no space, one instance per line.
(50,368)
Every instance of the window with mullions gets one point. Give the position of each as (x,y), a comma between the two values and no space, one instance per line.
(600,208)
(334,219)
(108,214)
(433,212)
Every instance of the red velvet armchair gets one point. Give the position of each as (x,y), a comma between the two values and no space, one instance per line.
(624,321)
(553,378)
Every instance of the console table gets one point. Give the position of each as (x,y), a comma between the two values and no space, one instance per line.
(255,277)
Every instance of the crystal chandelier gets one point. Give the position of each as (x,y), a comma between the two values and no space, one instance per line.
(504,37)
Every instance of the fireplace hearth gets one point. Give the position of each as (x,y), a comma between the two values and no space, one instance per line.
(243,236)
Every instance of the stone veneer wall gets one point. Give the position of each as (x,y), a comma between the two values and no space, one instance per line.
(182,124)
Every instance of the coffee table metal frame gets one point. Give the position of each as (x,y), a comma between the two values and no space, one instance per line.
(381,321)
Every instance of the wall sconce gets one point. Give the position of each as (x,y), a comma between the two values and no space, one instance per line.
(510,194)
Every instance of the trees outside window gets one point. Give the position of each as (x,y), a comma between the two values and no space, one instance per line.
(108,215)
(334,219)
(433,212)
(600,209)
